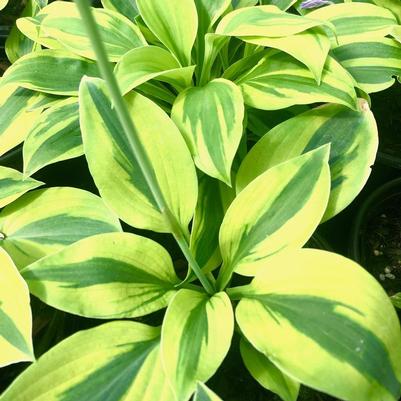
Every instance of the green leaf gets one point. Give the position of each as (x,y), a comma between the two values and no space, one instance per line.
(203,393)
(56,72)
(17,44)
(267,374)
(17,115)
(210,119)
(277,211)
(196,336)
(45,221)
(281,4)
(56,136)
(13,184)
(315,40)
(279,81)
(356,21)
(15,315)
(243,3)
(325,321)
(62,22)
(119,360)
(373,64)
(151,62)
(209,11)
(114,167)
(396,300)
(124,7)
(213,201)
(106,276)
(353,137)
(175,26)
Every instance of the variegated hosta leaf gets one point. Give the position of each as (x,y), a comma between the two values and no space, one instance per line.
(271,27)
(393,5)
(279,81)
(203,393)
(56,72)
(213,45)
(210,119)
(56,136)
(267,21)
(356,21)
(281,4)
(15,315)
(373,64)
(115,169)
(209,11)
(13,184)
(151,62)
(315,40)
(124,7)
(353,137)
(44,221)
(267,374)
(107,276)
(325,321)
(17,44)
(213,201)
(196,336)
(278,211)
(17,115)
(62,22)
(243,3)
(174,25)
(118,360)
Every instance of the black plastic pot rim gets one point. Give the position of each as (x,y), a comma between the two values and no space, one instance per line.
(374,201)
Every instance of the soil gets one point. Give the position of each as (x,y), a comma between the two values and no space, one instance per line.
(382,242)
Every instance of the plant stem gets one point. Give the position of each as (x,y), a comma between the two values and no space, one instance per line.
(132,138)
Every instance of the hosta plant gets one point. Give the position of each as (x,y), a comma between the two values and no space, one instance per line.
(236,127)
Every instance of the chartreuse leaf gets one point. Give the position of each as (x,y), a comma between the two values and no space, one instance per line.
(213,201)
(196,336)
(210,119)
(279,81)
(107,276)
(278,211)
(45,221)
(315,40)
(56,136)
(267,374)
(304,314)
(13,184)
(109,155)
(3,3)
(396,300)
(175,26)
(118,360)
(15,315)
(62,22)
(127,8)
(271,27)
(356,21)
(373,64)
(17,115)
(203,393)
(267,21)
(145,63)
(353,137)
(17,44)
(56,72)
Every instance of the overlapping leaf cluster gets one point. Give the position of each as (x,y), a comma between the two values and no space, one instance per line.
(203,80)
